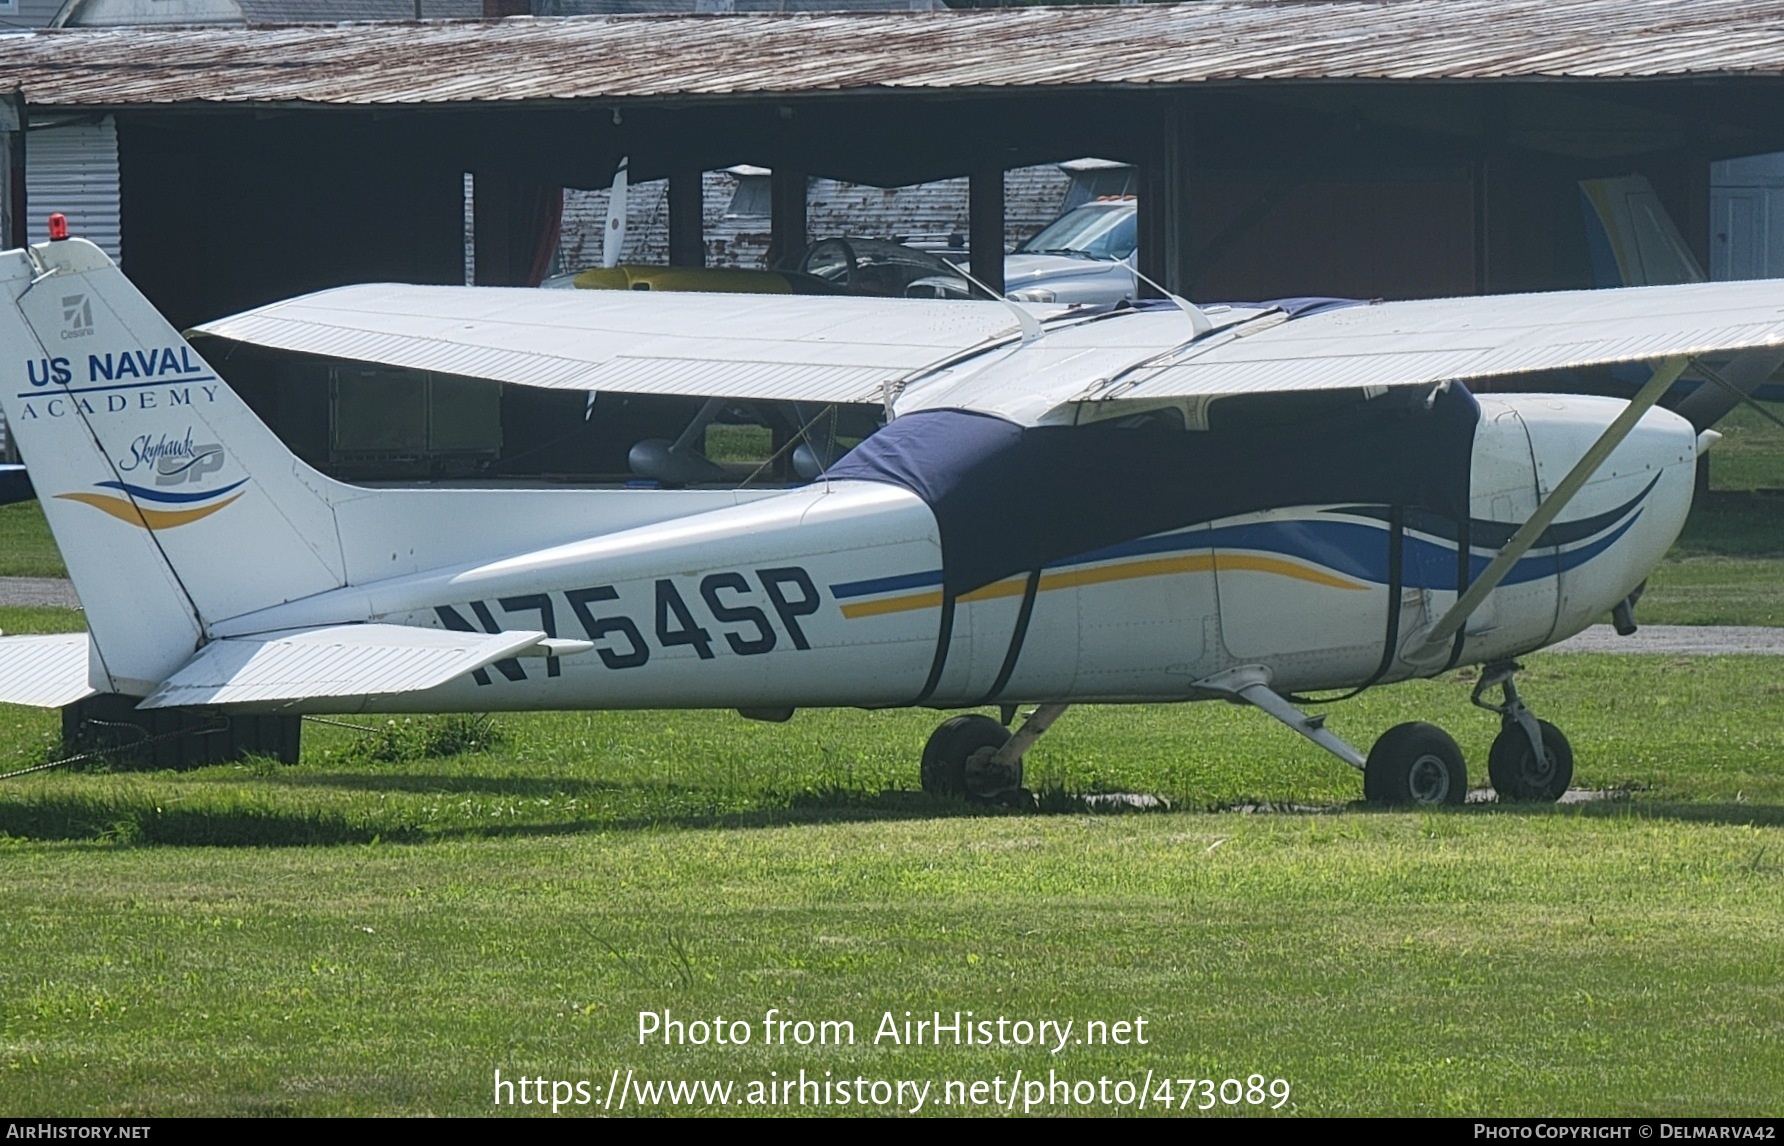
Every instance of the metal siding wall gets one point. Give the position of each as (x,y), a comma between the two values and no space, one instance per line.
(73,169)
(30,13)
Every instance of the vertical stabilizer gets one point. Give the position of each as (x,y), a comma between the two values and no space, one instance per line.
(173,505)
(1632,238)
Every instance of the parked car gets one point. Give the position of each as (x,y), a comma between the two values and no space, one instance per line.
(1084,256)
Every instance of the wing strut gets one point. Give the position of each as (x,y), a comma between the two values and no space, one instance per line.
(1665,374)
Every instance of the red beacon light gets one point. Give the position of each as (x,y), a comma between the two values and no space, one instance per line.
(58,227)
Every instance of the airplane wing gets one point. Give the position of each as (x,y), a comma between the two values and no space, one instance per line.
(1462,339)
(746,347)
(44,671)
(344,662)
(962,354)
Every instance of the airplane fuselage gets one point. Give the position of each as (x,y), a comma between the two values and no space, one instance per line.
(833,594)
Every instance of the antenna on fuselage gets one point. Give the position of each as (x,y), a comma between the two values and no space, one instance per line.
(1199,323)
(1031,326)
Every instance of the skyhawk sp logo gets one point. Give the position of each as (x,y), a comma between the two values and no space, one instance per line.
(172,462)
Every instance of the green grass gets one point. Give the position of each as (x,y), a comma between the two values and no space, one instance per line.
(1675,730)
(41,619)
(1727,567)
(26,547)
(1751,452)
(381,927)
(1383,964)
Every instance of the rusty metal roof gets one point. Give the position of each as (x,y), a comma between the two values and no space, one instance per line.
(622,58)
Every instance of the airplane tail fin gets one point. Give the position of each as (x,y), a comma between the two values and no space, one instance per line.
(1632,239)
(174,506)
(1634,242)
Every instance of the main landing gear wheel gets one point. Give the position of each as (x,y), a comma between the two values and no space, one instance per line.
(957,761)
(1518,775)
(1415,763)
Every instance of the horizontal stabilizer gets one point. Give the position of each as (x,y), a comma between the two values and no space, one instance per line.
(334,662)
(44,671)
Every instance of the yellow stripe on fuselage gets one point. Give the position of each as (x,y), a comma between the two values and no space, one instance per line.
(1075,578)
(128,511)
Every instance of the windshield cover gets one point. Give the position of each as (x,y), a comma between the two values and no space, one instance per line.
(989,481)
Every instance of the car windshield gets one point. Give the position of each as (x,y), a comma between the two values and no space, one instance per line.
(1099,230)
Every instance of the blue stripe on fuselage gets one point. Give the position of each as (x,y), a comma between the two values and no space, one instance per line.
(1357,549)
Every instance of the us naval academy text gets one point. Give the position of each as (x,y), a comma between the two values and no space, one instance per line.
(938,1028)
(165,376)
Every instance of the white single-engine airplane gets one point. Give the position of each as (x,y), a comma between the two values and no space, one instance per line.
(1067,506)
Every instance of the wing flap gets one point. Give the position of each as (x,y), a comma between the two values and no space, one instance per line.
(332,662)
(759,380)
(44,671)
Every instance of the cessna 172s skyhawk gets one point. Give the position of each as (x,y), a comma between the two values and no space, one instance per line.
(1239,503)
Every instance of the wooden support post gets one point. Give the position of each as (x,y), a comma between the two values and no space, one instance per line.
(1165,227)
(687,219)
(1150,221)
(1694,222)
(13,228)
(787,223)
(1175,210)
(985,221)
(495,262)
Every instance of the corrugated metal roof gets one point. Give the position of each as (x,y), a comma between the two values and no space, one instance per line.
(650,57)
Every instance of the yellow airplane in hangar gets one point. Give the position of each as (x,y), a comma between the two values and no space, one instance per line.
(1065,506)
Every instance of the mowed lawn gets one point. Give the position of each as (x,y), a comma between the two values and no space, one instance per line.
(361,935)
(384,926)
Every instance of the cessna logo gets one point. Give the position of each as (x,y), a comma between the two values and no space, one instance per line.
(77,316)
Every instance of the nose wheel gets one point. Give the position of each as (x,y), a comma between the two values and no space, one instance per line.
(1518,773)
(1530,759)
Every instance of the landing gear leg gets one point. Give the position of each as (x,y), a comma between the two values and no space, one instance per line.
(1530,758)
(976,757)
(1410,764)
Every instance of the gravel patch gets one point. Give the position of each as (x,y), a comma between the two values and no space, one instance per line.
(38,591)
(1692,640)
